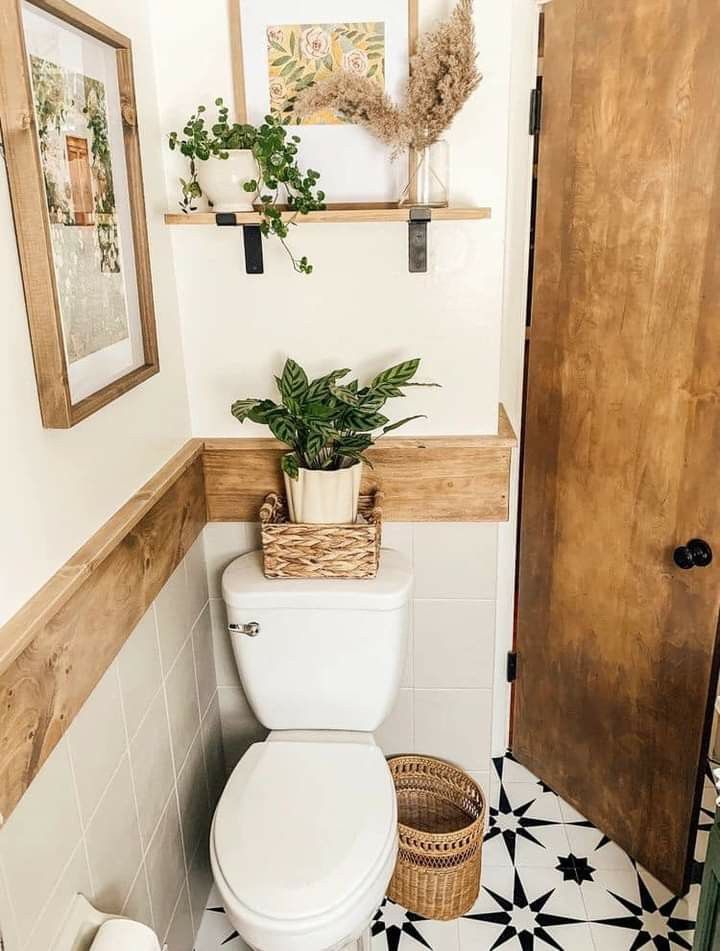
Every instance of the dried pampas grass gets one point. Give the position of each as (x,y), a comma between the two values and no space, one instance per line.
(443,76)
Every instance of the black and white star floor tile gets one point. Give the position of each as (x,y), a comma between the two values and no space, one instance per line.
(550,880)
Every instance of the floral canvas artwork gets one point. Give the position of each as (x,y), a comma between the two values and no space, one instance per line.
(302,54)
(72,123)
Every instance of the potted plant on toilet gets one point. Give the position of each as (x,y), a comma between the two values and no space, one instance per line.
(328,427)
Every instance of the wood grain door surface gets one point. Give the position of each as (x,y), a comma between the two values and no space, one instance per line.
(616,645)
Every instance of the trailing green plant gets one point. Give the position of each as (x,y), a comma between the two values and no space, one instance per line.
(280,181)
(326,424)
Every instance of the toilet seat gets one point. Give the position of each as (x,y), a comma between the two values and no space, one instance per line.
(304,841)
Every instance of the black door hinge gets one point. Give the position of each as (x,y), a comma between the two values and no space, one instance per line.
(512,660)
(535,111)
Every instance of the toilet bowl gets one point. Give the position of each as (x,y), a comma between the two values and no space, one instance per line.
(304,838)
(304,841)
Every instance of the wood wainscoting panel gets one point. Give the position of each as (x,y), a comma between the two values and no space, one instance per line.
(435,479)
(44,687)
(54,651)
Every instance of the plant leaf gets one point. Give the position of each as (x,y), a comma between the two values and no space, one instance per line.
(354,418)
(241,409)
(314,443)
(322,385)
(262,412)
(398,375)
(343,394)
(282,428)
(289,465)
(294,381)
(402,422)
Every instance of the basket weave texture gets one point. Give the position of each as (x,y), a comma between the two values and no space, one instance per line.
(441,821)
(296,550)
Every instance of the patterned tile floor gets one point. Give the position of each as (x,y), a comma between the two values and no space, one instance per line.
(550,880)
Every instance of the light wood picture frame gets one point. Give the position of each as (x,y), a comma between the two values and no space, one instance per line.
(96,205)
(306,13)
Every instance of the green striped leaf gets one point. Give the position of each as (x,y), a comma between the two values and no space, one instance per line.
(294,381)
(241,409)
(289,465)
(397,375)
(402,422)
(344,394)
(320,387)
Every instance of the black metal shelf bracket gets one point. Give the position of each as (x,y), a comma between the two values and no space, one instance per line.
(418,222)
(252,241)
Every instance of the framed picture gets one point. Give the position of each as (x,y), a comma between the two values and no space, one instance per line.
(281,45)
(67,111)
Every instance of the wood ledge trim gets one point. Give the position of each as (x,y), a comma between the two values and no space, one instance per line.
(24,626)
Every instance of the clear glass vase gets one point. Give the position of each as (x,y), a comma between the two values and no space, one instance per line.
(429,181)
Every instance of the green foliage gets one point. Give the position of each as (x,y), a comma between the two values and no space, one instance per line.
(328,425)
(280,179)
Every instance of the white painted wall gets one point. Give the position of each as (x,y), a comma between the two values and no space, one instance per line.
(57,487)
(361,308)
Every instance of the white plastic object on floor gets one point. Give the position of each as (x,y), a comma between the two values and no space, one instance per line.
(304,841)
(87,929)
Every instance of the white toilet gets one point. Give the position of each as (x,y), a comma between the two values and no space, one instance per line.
(304,839)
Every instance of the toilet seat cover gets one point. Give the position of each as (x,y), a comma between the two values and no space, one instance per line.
(300,825)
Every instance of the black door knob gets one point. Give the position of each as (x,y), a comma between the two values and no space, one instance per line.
(696,554)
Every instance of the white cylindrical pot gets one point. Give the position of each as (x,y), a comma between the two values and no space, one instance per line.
(317,497)
(222,180)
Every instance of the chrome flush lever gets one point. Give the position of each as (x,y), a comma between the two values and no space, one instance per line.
(252,629)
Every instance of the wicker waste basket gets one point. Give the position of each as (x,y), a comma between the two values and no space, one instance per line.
(441,821)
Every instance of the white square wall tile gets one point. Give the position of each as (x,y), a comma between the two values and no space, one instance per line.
(182,703)
(39,837)
(193,797)
(152,766)
(214,752)
(180,934)
(165,865)
(113,843)
(454,725)
(240,726)
(225,541)
(75,878)
(97,741)
(196,578)
(453,643)
(204,659)
(396,733)
(137,905)
(226,669)
(140,671)
(398,535)
(200,880)
(455,560)
(8,930)
(172,610)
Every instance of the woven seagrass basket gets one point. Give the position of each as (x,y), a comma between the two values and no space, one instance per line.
(295,550)
(441,821)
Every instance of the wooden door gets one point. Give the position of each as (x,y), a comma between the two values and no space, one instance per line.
(616,645)
(80,180)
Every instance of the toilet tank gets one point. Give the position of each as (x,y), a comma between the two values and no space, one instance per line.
(328,653)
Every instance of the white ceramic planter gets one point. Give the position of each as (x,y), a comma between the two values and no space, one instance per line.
(324,498)
(222,180)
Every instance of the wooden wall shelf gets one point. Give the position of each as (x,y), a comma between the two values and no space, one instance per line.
(417,218)
(54,651)
(345,214)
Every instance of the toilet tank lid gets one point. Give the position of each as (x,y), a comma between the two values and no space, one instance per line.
(245,586)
